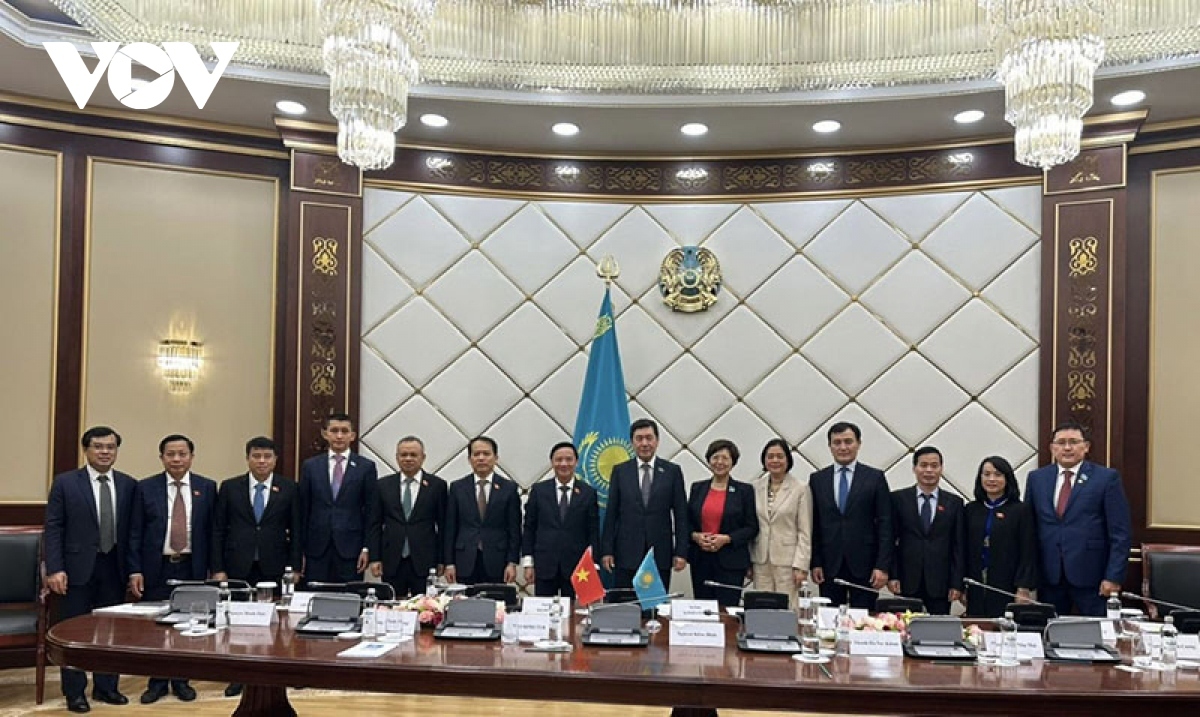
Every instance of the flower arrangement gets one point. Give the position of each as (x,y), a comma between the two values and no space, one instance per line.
(887,622)
(430,610)
(973,635)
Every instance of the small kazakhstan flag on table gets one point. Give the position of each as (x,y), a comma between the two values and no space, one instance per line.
(648,584)
(602,424)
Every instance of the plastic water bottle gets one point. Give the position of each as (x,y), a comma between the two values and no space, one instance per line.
(431,586)
(370,623)
(804,606)
(287,586)
(223,598)
(842,630)
(1008,641)
(1112,608)
(1170,644)
(556,621)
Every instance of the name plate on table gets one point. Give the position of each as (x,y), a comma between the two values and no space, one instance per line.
(696,634)
(400,622)
(300,601)
(1187,647)
(876,644)
(251,614)
(541,605)
(696,610)
(530,627)
(827,617)
(1029,644)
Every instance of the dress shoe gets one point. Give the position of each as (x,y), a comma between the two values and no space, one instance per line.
(78,704)
(184,691)
(153,694)
(110,698)
(233,690)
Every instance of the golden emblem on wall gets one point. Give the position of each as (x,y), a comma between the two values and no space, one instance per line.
(689,279)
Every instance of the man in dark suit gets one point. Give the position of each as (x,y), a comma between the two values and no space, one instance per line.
(406,521)
(1083,525)
(256,534)
(169,537)
(852,522)
(647,508)
(335,491)
(928,521)
(86,539)
(562,519)
(483,521)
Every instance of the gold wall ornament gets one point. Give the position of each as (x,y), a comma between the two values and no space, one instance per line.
(1083,256)
(325,258)
(689,279)
(608,269)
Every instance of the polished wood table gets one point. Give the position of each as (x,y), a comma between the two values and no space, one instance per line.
(694,681)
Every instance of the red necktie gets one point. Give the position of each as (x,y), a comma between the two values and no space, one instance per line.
(1064,494)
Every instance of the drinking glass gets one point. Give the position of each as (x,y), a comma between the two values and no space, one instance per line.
(265,591)
(198,613)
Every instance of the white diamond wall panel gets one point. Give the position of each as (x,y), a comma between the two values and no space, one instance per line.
(495,339)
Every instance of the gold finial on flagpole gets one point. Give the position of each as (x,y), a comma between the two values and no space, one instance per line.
(608,269)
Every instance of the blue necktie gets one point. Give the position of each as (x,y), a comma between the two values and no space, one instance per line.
(927,511)
(260,503)
(843,489)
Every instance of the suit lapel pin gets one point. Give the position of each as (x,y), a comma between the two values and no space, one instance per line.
(732,489)
(274,489)
(660,469)
(941,508)
(196,493)
(576,490)
(424,483)
(999,515)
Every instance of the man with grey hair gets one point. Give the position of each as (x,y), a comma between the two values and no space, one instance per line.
(405,521)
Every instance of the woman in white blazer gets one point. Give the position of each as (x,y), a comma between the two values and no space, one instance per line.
(781,552)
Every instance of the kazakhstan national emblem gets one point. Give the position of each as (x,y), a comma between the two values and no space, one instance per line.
(689,279)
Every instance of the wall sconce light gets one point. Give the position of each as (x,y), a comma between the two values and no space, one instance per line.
(179,363)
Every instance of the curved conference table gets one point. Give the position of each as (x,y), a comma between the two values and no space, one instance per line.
(694,681)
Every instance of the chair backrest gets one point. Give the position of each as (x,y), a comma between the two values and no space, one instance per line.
(899,604)
(20,556)
(495,591)
(764,600)
(1169,572)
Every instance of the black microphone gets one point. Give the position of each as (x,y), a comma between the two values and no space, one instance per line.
(856,586)
(235,586)
(726,586)
(1160,603)
(1014,596)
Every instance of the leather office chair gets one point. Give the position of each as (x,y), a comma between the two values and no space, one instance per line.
(23,598)
(495,591)
(764,600)
(1169,573)
(898,604)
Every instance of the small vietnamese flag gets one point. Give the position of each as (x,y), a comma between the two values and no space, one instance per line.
(586,580)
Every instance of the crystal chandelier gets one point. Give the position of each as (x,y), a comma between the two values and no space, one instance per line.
(370,54)
(1048,54)
(1044,51)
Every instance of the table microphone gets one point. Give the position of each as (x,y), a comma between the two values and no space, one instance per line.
(1014,596)
(639,601)
(235,586)
(726,586)
(1160,603)
(856,586)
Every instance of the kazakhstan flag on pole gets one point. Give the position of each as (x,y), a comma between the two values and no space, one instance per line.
(648,584)
(602,424)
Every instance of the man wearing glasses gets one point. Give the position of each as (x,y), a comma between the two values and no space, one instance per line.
(1082,520)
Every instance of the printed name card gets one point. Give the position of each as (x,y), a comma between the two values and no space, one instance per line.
(827,617)
(300,601)
(875,644)
(251,614)
(399,622)
(1029,644)
(696,634)
(541,605)
(530,627)
(696,610)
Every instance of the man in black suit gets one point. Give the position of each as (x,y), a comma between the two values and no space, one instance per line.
(86,539)
(169,538)
(406,521)
(256,534)
(562,519)
(483,521)
(929,525)
(852,522)
(335,492)
(647,508)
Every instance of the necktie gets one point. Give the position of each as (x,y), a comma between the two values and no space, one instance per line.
(339,472)
(563,503)
(843,489)
(645,484)
(406,504)
(926,512)
(481,498)
(1064,494)
(108,522)
(260,502)
(178,540)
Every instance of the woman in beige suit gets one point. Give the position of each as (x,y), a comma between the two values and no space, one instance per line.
(782,550)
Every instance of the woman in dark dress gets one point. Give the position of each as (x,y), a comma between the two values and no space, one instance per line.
(1001,543)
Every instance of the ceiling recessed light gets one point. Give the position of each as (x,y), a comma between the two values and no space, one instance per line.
(827,126)
(288,107)
(565,129)
(432,120)
(694,129)
(1129,97)
(968,116)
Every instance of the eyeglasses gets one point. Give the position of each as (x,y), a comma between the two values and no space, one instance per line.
(1065,442)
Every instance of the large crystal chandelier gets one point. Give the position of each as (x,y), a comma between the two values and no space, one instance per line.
(370,54)
(1044,51)
(1048,54)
